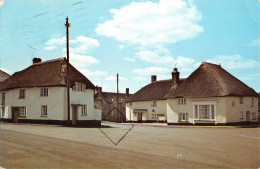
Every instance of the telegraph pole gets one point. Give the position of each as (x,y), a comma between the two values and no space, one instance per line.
(117,79)
(67,24)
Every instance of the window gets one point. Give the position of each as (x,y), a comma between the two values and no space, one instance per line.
(3,98)
(22,111)
(252,102)
(154,103)
(241,115)
(253,116)
(44,91)
(183,116)
(241,100)
(155,116)
(204,112)
(79,86)
(182,101)
(84,110)
(22,94)
(44,111)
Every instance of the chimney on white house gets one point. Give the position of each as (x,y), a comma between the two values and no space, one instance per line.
(153,78)
(127,92)
(37,60)
(175,77)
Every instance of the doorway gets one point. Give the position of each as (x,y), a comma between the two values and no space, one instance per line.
(247,115)
(74,115)
(15,112)
(140,117)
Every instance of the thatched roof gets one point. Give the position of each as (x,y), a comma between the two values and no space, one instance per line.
(211,80)
(48,73)
(3,76)
(153,91)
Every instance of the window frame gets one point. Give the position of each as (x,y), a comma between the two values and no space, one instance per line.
(79,87)
(241,115)
(241,100)
(84,110)
(183,117)
(252,102)
(23,113)
(154,103)
(44,92)
(253,116)
(181,100)
(204,110)
(44,111)
(22,93)
(3,98)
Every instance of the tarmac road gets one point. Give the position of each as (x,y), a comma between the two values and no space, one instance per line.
(49,146)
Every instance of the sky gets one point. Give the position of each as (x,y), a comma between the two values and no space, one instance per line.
(135,38)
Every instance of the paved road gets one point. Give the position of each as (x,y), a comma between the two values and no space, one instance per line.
(48,146)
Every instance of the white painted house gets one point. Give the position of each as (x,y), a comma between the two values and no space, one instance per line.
(149,103)
(39,94)
(211,95)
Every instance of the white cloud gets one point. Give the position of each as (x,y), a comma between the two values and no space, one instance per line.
(148,23)
(56,41)
(152,57)
(5,70)
(50,47)
(1,2)
(151,71)
(114,78)
(79,45)
(121,46)
(234,61)
(89,73)
(255,42)
(140,78)
(84,44)
(129,59)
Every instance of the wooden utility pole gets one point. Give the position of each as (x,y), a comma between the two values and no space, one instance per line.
(117,80)
(67,24)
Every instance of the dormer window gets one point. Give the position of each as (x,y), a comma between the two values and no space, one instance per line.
(79,86)
(181,101)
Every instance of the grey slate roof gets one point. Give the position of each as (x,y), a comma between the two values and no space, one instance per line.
(48,73)
(211,80)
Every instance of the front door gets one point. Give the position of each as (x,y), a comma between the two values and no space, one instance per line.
(247,115)
(74,115)
(139,117)
(15,112)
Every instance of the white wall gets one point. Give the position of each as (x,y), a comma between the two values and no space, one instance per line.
(33,102)
(234,108)
(85,98)
(159,109)
(56,102)
(173,108)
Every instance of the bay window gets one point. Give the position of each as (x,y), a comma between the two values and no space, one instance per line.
(204,112)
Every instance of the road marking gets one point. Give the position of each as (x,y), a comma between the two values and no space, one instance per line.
(249,137)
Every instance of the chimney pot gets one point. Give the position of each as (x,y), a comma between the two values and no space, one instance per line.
(37,60)
(153,78)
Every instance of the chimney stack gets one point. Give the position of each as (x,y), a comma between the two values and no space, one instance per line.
(37,60)
(127,92)
(153,78)
(175,77)
(99,89)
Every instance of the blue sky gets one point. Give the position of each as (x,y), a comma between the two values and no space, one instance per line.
(136,39)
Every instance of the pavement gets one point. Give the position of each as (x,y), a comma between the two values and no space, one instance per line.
(143,147)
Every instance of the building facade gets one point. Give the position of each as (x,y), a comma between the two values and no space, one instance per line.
(211,95)
(39,94)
